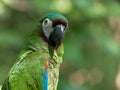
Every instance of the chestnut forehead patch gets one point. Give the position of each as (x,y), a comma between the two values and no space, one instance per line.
(59,21)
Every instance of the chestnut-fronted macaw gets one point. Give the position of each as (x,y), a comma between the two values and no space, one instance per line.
(37,66)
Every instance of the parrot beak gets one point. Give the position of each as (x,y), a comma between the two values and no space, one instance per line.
(56,36)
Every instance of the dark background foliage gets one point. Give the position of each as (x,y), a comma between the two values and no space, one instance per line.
(92,49)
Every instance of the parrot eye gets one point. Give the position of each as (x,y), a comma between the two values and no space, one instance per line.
(47,22)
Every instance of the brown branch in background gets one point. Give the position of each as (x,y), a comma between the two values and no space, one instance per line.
(19,5)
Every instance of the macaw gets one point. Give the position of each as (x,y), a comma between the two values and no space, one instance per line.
(37,65)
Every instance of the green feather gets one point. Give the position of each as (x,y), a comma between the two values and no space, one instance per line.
(30,65)
(53,16)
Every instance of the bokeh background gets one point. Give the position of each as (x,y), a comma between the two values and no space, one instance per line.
(92,42)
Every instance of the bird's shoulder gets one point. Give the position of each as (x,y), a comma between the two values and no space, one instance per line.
(29,59)
(27,70)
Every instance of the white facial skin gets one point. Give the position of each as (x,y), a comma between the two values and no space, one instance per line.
(47,27)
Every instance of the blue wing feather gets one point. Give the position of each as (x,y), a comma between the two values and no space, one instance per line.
(45,80)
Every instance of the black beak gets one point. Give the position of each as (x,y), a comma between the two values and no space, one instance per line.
(56,36)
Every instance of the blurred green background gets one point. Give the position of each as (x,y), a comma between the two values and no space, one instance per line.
(92,42)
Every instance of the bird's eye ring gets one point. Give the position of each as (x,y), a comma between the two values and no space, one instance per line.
(46,21)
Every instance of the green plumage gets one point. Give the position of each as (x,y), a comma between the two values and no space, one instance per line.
(27,72)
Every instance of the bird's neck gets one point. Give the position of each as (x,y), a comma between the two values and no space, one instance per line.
(38,42)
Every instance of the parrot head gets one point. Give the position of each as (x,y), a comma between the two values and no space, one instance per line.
(54,27)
